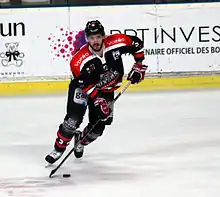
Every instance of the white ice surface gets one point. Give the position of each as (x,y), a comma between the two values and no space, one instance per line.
(160,144)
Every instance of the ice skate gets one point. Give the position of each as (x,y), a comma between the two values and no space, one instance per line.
(79,149)
(53,156)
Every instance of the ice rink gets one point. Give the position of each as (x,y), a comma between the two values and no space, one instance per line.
(160,144)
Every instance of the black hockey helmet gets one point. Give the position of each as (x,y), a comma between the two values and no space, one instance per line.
(94,27)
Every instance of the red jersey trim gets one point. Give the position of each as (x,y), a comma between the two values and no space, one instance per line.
(117,39)
(79,58)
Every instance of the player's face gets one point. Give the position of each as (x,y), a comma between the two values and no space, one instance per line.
(95,41)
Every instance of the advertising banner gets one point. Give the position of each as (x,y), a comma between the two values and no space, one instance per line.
(25,45)
(38,43)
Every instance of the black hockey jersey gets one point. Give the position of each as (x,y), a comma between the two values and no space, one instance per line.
(87,67)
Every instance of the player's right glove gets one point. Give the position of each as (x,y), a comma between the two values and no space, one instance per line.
(102,108)
(137,73)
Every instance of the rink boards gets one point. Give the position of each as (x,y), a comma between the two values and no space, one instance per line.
(149,84)
(181,50)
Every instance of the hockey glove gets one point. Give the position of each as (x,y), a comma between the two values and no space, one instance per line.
(137,73)
(102,109)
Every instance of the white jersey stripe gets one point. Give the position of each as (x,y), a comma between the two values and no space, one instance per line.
(141,50)
(91,90)
(86,60)
(114,46)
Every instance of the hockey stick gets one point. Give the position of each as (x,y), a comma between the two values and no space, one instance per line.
(70,152)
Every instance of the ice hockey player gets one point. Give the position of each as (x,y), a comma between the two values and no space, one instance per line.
(98,70)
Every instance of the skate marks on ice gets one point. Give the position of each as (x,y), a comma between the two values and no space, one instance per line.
(22,172)
(31,186)
(35,182)
(153,163)
(83,172)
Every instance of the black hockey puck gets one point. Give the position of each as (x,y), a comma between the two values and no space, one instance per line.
(66,175)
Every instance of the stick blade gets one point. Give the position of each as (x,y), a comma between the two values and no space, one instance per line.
(52,172)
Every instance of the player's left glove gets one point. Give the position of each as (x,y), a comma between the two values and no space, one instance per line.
(137,73)
(102,108)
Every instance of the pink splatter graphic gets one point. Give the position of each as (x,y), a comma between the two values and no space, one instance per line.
(72,53)
(64,43)
(62,50)
(69,38)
